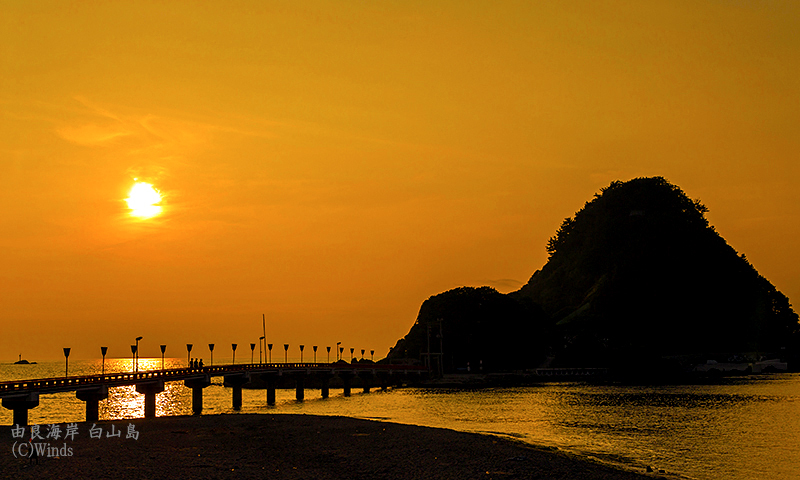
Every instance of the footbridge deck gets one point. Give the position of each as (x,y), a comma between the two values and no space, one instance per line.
(22,395)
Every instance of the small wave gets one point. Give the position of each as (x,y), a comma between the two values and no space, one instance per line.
(504,434)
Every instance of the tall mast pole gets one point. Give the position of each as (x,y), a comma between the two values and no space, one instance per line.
(264,328)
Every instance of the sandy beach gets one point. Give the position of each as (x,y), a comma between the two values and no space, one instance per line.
(279,446)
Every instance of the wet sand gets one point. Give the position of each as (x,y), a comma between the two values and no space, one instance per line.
(280,446)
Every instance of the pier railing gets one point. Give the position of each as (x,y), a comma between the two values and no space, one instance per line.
(61,384)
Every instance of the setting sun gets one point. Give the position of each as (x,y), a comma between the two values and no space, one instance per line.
(143,200)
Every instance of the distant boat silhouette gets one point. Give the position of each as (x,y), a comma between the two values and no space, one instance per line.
(23,362)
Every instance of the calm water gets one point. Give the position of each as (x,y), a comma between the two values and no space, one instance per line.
(744,429)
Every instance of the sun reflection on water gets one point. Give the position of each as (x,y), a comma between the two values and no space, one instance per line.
(126,402)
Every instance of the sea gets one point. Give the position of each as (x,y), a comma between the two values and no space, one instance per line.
(741,428)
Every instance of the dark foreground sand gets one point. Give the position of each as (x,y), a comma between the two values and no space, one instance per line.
(282,446)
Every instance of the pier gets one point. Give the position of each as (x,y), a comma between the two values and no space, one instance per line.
(23,395)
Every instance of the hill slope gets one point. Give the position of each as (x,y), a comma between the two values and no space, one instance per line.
(636,275)
(638,270)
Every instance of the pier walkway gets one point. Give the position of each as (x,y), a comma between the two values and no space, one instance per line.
(22,395)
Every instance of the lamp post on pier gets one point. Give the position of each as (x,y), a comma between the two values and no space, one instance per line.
(136,353)
(133,358)
(189,354)
(301,352)
(103,351)
(285,353)
(315,353)
(163,350)
(351,354)
(329,354)
(66,361)
(252,351)
(211,348)
(372,355)
(233,346)
(362,353)
(269,347)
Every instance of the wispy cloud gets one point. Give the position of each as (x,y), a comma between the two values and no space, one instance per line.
(92,134)
(93,124)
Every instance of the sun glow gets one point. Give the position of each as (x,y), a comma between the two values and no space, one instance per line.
(143,200)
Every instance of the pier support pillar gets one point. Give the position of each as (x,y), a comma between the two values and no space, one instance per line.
(300,381)
(197,385)
(384,381)
(347,381)
(326,385)
(20,404)
(197,400)
(271,380)
(235,381)
(92,397)
(366,380)
(149,390)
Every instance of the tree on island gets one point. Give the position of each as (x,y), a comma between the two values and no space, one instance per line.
(635,279)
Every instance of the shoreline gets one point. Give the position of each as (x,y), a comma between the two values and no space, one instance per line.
(293,446)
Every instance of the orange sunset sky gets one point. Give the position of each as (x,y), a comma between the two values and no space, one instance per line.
(333,164)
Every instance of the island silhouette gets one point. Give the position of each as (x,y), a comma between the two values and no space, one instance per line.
(22,361)
(637,281)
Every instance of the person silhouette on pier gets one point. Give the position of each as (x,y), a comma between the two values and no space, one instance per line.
(201,363)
